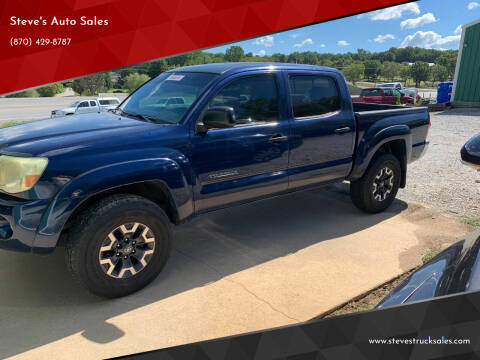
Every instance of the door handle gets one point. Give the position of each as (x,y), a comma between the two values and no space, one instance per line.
(342,130)
(278,138)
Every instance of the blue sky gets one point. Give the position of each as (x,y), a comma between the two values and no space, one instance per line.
(426,23)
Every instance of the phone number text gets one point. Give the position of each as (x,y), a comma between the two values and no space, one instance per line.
(26,41)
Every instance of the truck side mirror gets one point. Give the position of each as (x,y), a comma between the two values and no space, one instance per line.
(218,117)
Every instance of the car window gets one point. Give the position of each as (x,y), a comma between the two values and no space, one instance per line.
(313,95)
(396,92)
(371,92)
(109,102)
(387,92)
(83,104)
(253,98)
(150,99)
(92,103)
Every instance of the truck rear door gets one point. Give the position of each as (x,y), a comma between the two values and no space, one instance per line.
(322,130)
(388,97)
(249,159)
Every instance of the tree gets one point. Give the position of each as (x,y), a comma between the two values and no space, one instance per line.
(404,73)
(157,67)
(234,54)
(372,69)
(50,90)
(92,85)
(390,70)
(133,81)
(449,60)
(439,73)
(26,93)
(354,72)
(420,71)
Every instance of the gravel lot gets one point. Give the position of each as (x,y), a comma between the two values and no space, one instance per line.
(439,179)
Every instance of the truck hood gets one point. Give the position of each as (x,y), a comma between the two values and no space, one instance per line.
(41,136)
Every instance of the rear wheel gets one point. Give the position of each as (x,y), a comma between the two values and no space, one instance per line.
(377,189)
(119,245)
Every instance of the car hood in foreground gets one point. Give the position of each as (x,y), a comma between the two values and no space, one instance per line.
(454,270)
(470,152)
(37,137)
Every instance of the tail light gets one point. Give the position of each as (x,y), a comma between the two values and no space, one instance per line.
(429,126)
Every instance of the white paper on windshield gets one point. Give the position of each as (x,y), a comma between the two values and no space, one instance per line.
(175,77)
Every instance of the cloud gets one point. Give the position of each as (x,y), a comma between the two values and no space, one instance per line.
(473,5)
(322,45)
(382,38)
(293,36)
(265,41)
(260,53)
(419,21)
(458,30)
(342,43)
(430,40)
(307,41)
(394,12)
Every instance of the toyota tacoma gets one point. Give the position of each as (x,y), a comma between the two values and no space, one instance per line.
(109,185)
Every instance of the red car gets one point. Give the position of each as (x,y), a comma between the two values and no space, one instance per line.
(380,95)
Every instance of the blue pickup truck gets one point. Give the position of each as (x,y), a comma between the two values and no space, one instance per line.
(109,185)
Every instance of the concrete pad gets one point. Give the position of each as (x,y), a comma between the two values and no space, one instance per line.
(257,266)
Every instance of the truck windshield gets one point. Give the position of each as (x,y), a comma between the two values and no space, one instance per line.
(168,97)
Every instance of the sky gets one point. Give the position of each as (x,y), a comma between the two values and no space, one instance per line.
(433,24)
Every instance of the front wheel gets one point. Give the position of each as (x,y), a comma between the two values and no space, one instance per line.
(119,245)
(376,190)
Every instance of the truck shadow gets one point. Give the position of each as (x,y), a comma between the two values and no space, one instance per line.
(39,302)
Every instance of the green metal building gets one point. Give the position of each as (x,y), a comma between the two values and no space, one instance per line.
(466,84)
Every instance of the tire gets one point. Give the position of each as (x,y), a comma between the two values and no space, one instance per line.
(144,240)
(374,199)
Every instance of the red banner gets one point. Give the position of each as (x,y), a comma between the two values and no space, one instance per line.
(42,42)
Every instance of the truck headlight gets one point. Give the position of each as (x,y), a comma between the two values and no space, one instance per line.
(18,174)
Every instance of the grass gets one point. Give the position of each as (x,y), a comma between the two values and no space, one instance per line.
(430,255)
(8,124)
(472,221)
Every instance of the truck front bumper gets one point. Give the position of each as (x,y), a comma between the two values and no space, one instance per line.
(19,221)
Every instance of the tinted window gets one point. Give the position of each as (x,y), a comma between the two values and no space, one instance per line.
(387,92)
(92,103)
(313,95)
(109,102)
(83,104)
(253,98)
(371,92)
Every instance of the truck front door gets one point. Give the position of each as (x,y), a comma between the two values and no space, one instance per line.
(248,159)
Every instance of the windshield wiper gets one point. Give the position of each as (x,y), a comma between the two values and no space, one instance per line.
(141,116)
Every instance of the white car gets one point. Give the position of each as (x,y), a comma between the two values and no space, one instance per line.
(87,106)
(395,85)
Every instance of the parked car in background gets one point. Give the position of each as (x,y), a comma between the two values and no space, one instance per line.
(395,85)
(470,152)
(389,96)
(454,270)
(110,185)
(87,106)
